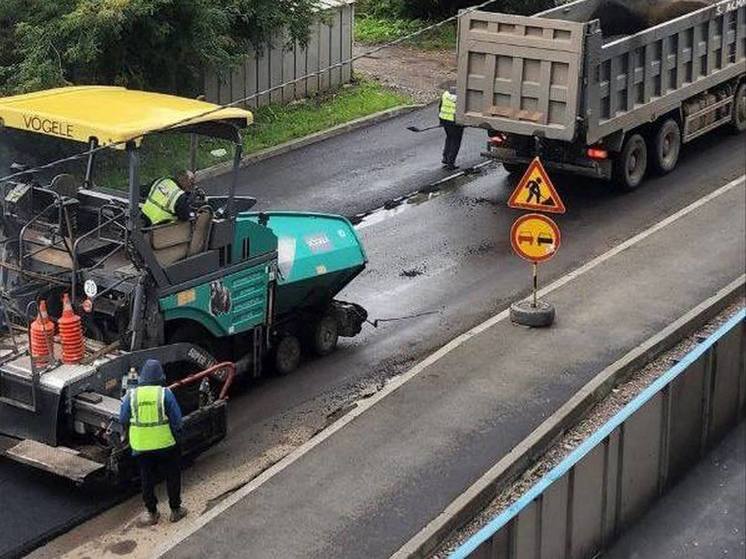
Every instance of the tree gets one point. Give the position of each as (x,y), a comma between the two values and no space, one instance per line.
(162,45)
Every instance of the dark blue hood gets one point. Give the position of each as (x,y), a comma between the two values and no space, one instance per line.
(151,373)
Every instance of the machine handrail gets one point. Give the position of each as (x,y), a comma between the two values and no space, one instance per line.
(230,368)
(58,202)
(97,229)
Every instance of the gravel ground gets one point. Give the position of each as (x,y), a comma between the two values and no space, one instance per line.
(417,73)
(597,417)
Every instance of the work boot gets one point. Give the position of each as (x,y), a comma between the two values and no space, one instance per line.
(178,514)
(451,167)
(150,518)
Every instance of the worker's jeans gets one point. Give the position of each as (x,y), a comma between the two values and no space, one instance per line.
(454,135)
(166,463)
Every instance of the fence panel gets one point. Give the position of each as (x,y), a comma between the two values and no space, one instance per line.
(330,42)
(335,49)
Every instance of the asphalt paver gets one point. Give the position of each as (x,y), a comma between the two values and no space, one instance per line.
(353,173)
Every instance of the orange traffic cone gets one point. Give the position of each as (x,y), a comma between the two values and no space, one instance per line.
(71,333)
(42,335)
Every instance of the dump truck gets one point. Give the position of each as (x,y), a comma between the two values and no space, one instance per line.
(229,292)
(609,89)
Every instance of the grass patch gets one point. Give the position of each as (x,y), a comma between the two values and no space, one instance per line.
(273,125)
(279,124)
(372,30)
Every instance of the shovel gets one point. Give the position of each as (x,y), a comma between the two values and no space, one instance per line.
(418,130)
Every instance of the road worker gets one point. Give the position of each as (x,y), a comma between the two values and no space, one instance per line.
(170,199)
(152,416)
(454,132)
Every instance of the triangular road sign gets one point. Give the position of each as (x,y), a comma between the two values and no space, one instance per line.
(536,192)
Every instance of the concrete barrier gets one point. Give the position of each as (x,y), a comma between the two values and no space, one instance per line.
(613,477)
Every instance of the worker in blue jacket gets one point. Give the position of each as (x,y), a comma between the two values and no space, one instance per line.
(152,416)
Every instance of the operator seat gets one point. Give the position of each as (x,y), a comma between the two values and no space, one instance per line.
(200,231)
(172,242)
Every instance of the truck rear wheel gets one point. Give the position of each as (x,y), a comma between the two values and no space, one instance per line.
(631,164)
(666,147)
(325,335)
(738,121)
(286,355)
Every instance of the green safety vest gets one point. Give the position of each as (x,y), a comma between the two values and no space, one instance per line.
(448,107)
(149,427)
(160,207)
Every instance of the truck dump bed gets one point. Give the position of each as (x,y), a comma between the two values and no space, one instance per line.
(577,72)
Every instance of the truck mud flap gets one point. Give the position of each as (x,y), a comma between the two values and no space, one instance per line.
(63,462)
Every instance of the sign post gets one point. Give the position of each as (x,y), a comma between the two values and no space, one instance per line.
(536,284)
(535,238)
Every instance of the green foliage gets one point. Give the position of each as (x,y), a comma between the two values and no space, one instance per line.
(277,124)
(155,44)
(371,30)
(381,21)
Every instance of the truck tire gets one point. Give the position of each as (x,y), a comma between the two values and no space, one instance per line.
(286,355)
(524,314)
(324,335)
(631,164)
(666,147)
(738,120)
(515,168)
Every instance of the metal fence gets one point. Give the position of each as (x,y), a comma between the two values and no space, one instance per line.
(330,42)
(613,477)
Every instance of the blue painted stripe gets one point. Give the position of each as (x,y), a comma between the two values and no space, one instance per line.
(594,440)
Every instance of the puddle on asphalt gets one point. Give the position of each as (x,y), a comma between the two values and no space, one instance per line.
(124,547)
(399,205)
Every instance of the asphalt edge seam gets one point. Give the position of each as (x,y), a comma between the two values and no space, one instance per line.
(510,467)
(315,138)
(396,383)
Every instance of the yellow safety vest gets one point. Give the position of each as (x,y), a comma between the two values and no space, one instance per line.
(149,427)
(160,207)
(448,107)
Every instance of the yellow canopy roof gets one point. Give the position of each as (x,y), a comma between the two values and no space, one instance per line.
(109,114)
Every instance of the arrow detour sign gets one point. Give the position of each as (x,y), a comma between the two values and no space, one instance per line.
(536,192)
(535,238)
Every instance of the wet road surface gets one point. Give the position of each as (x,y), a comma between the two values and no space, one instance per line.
(445,253)
(355,172)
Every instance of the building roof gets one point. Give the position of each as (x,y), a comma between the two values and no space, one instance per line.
(111,115)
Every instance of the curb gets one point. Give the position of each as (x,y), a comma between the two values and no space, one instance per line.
(292,145)
(510,467)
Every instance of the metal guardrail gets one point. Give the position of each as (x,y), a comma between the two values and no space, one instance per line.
(614,476)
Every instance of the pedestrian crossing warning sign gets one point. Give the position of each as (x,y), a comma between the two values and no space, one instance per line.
(536,192)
